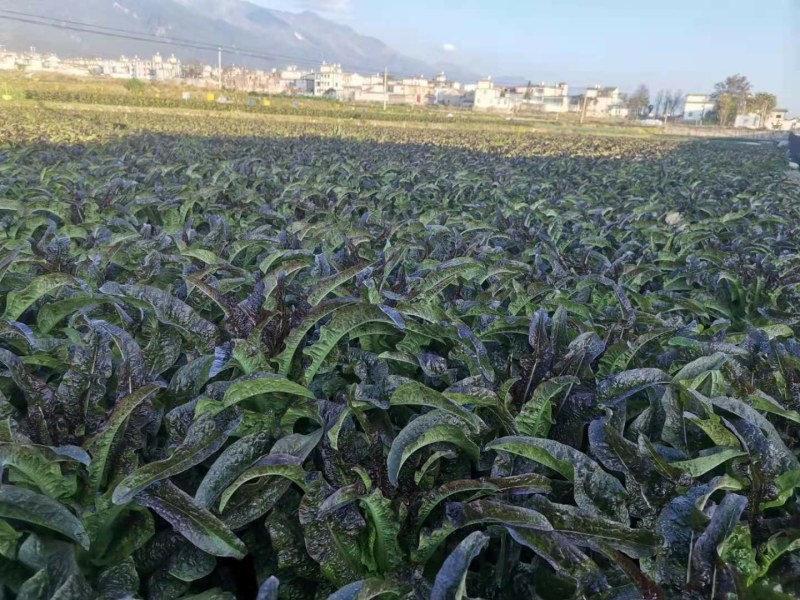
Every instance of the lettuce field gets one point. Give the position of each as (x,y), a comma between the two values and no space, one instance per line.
(241,359)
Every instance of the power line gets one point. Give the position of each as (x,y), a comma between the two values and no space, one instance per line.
(129,34)
(142,36)
(116,32)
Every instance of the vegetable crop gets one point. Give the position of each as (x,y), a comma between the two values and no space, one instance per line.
(308,367)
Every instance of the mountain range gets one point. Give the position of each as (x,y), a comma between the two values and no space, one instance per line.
(304,39)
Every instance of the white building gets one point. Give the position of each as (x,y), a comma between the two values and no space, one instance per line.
(8,61)
(448,96)
(165,69)
(696,107)
(410,90)
(116,68)
(776,120)
(600,102)
(606,102)
(293,80)
(329,80)
(544,98)
(748,121)
(488,97)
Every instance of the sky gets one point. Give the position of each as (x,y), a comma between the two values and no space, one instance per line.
(678,45)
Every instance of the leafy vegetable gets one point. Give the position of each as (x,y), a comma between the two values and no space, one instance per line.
(246,357)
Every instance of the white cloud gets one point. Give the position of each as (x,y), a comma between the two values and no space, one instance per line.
(448,47)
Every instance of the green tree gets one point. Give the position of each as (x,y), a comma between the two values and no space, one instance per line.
(763,104)
(731,96)
(638,102)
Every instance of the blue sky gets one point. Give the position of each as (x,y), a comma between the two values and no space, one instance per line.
(681,44)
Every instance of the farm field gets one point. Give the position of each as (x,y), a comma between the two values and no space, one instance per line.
(306,359)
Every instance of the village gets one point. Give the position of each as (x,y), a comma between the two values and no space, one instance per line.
(331,80)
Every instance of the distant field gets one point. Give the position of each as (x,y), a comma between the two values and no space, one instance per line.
(344,359)
(70,90)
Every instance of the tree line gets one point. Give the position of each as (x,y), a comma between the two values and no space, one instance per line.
(731,97)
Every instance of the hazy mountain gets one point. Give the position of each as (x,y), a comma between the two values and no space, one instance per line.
(303,38)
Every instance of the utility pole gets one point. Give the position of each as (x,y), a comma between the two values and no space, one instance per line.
(385,87)
(583,108)
(219,66)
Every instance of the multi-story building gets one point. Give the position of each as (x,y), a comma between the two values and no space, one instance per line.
(544,98)
(696,108)
(115,68)
(329,80)
(410,90)
(295,81)
(165,69)
(599,102)
(489,97)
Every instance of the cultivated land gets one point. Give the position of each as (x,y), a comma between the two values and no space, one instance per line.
(394,358)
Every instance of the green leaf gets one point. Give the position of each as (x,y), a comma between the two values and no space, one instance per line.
(101,444)
(38,469)
(293,473)
(118,581)
(779,544)
(168,309)
(9,537)
(476,513)
(17,302)
(623,385)
(205,436)
(594,489)
(328,285)
(715,429)
(203,255)
(446,273)
(414,393)
(637,543)
(51,314)
(435,426)
(451,580)
(344,321)
(117,531)
(193,522)
(703,464)
(297,334)
(335,541)
(535,417)
(229,465)
(564,557)
(267,384)
(435,497)
(385,529)
(705,556)
(701,366)
(255,500)
(189,563)
(24,505)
